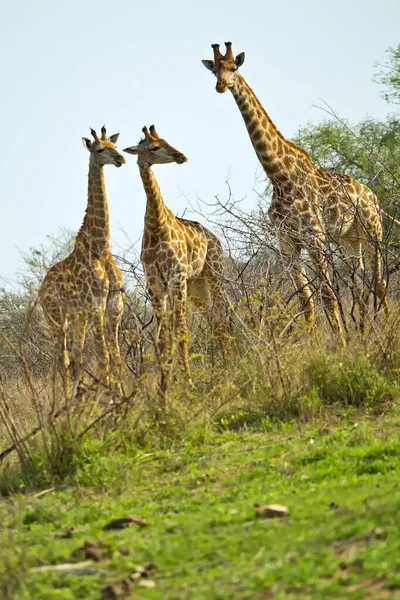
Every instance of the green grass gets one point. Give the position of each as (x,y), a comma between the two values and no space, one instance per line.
(340,481)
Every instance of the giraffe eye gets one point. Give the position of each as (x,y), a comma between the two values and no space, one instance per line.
(155,148)
(232,69)
(100,150)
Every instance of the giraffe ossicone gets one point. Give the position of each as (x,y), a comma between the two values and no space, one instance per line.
(85,289)
(310,207)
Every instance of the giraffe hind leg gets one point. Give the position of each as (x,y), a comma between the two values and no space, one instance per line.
(207,295)
(374,259)
(351,249)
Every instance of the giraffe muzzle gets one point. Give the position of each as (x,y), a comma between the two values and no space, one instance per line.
(221,86)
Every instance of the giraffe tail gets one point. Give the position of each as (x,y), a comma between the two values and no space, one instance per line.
(390,217)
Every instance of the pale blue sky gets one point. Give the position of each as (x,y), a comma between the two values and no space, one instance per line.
(67,66)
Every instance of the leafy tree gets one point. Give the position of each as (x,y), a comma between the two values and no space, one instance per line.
(369,151)
(390,76)
(39,260)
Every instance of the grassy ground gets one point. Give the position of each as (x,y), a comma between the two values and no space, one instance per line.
(339,478)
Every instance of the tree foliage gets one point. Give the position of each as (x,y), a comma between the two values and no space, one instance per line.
(369,151)
(389,76)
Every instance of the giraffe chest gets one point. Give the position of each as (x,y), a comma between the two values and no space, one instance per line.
(176,257)
(76,284)
(292,210)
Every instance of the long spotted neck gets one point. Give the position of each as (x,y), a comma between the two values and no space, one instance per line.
(279,157)
(95,230)
(156,211)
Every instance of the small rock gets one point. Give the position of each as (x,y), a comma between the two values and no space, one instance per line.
(123,522)
(271,510)
(147,583)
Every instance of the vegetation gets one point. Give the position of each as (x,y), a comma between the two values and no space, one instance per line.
(369,151)
(283,419)
(389,75)
(339,481)
(289,422)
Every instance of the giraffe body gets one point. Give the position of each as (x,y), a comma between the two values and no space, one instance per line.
(84,290)
(180,257)
(310,207)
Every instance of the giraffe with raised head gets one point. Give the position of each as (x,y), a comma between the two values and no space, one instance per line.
(181,258)
(85,289)
(310,207)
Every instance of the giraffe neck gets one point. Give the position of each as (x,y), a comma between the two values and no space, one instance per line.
(278,156)
(156,211)
(95,229)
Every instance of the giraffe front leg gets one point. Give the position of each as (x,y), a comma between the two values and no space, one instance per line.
(179,299)
(351,249)
(78,327)
(162,343)
(113,316)
(102,353)
(62,360)
(114,310)
(329,299)
(158,298)
(291,252)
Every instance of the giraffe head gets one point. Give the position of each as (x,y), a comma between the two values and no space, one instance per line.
(153,150)
(103,150)
(224,67)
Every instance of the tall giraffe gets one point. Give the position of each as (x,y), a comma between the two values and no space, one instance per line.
(84,289)
(310,207)
(180,257)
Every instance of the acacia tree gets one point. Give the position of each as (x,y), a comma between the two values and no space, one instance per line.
(389,76)
(369,151)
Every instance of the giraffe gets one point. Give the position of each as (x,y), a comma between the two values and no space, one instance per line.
(310,207)
(85,289)
(181,258)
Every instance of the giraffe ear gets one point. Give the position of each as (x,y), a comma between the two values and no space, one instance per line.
(131,150)
(209,64)
(87,143)
(113,138)
(239,60)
